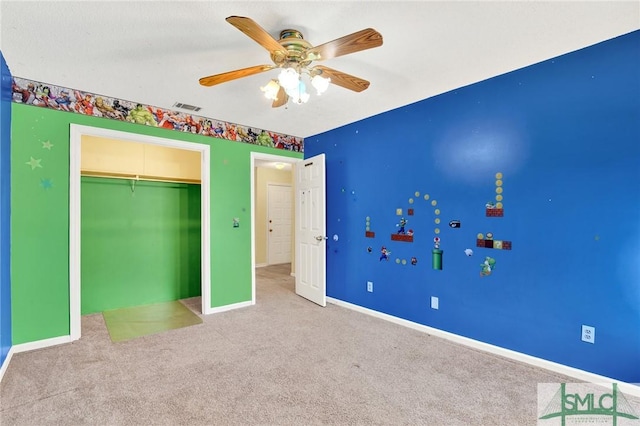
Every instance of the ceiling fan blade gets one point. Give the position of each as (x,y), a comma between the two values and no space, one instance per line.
(257,33)
(212,80)
(281,98)
(342,79)
(360,40)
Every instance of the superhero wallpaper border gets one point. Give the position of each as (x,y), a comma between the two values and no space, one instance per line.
(43,95)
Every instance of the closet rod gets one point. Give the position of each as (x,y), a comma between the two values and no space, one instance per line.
(114,175)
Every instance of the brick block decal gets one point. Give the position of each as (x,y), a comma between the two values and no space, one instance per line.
(495,212)
(494,244)
(402,237)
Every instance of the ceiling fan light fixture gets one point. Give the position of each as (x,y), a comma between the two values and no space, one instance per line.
(271,90)
(289,78)
(291,81)
(304,97)
(321,84)
(298,93)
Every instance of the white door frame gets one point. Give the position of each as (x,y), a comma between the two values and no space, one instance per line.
(266,157)
(77,131)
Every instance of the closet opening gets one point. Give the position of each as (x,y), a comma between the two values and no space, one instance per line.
(139,221)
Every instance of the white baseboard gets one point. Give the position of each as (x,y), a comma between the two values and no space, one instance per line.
(30,346)
(261,265)
(5,364)
(229,307)
(626,388)
(39,344)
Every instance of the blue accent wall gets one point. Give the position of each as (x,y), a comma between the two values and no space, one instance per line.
(558,144)
(5,189)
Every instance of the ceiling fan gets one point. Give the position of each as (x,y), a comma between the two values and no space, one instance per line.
(294,56)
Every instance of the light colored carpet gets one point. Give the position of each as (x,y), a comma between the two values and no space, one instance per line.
(129,323)
(284,361)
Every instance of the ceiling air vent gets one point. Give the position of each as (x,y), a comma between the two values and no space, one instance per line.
(187,106)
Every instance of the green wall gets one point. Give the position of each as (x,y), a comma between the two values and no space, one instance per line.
(140,243)
(40,216)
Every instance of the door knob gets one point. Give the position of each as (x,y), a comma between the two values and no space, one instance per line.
(320,238)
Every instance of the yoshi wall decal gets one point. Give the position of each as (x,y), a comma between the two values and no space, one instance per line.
(487,266)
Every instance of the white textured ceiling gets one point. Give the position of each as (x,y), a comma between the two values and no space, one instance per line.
(154,52)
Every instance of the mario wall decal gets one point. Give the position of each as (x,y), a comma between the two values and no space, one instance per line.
(384,253)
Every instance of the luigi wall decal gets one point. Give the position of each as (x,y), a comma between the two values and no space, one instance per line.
(401,225)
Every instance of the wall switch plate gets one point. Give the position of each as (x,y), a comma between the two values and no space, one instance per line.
(370,286)
(434,302)
(588,334)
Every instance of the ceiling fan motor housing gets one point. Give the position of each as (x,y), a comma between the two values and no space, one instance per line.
(296,46)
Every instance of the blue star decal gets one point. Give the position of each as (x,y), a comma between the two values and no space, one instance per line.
(46,183)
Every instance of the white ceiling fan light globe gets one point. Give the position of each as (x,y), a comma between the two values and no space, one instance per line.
(298,93)
(288,78)
(271,90)
(292,92)
(321,84)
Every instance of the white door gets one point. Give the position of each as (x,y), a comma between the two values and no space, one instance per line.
(279,212)
(311,229)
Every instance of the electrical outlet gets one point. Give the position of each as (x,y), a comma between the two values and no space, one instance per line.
(588,334)
(370,286)
(434,302)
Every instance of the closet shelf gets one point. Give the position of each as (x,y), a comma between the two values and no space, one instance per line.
(114,175)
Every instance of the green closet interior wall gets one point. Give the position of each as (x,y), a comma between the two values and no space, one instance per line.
(40,216)
(140,243)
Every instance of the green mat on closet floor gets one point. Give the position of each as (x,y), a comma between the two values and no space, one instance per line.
(129,323)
